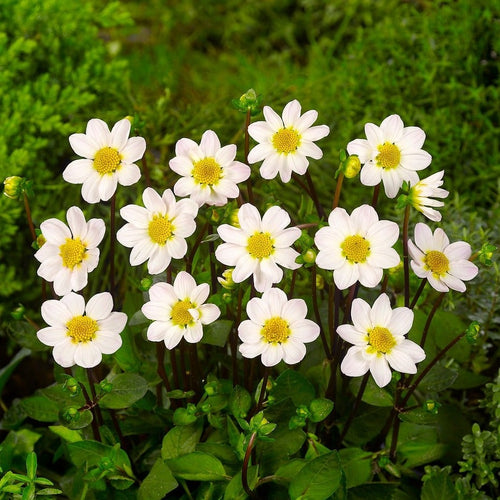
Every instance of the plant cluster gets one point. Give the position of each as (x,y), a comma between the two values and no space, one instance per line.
(268,351)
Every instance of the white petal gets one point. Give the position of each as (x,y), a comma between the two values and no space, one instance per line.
(108,343)
(209,313)
(360,314)
(77,171)
(249,218)
(369,276)
(463,270)
(55,231)
(133,150)
(153,201)
(291,113)
(98,131)
(400,361)
(272,118)
(52,335)
(128,174)
(258,311)
(90,188)
(293,352)
(354,364)
(401,321)
(184,284)
(460,250)
(346,275)
(119,134)
(272,355)
(157,331)
(210,143)
(100,305)
(87,355)
(381,312)
(114,323)
(83,145)
(352,335)
(392,126)
(380,371)
(370,175)
(260,131)
(64,353)
(362,148)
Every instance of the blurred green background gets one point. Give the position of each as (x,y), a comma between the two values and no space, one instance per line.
(176,65)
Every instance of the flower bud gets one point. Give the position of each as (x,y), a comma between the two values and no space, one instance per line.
(249,101)
(146,284)
(233,218)
(320,282)
(106,386)
(18,312)
(351,167)
(432,406)
(13,187)
(309,257)
(227,279)
(70,414)
(72,386)
(472,333)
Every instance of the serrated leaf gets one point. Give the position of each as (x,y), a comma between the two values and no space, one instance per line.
(127,389)
(197,466)
(318,479)
(438,487)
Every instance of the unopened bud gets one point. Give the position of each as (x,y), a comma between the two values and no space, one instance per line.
(146,284)
(351,167)
(13,187)
(472,333)
(432,406)
(18,312)
(106,386)
(72,385)
(70,414)
(320,282)
(309,256)
(227,279)
(234,219)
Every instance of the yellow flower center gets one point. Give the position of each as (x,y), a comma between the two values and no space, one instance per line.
(286,140)
(160,229)
(260,245)
(107,160)
(381,340)
(275,330)
(180,314)
(389,156)
(82,329)
(207,171)
(355,249)
(72,252)
(437,262)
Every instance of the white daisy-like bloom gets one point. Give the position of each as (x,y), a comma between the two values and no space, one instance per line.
(357,247)
(286,141)
(69,253)
(259,246)
(209,172)
(79,333)
(108,159)
(156,232)
(277,329)
(445,265)
(390,153)
(378,334)
(179,310)
(422,192)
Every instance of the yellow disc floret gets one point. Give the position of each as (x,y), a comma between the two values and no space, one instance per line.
(160,229)
(107,160)
(275,330)
(180,315)
(286,140)
(355,249)
(260,245)
(437,262)
(389,156)
(82,329)
(381,340)
(207,171)
(73,252)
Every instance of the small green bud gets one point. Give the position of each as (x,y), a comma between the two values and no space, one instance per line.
(309,256)
(249,101)
(106,386)
(215,216)
(70,414)
(351,167)
(486,254)
(19,312)
(302,411)
(320,282)
(472,332)
(40,240)
(72,386)
(210,389)
(227,279)
(146,284)
(191,408)
(432,406)
(106,464)
(233,218)
(296,422)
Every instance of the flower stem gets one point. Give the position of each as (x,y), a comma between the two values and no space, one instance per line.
(91,406)
(28,216)
(429,319)
(92,379)
(244,470)
(314,196)
(260,402)
(338,188)
(160,359)
(247,150)
(376,192)
(406,264)
(317,314)
(112,236)
(355,407)
(146,170)
(418,293)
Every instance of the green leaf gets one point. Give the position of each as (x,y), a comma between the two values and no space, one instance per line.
(418,416)
(87,452)
(41,409)
(283,445)
(66,434)
(438,379)
(373,395)
(181,440)
(127,389)
(217,333)
(373,491)
(289,470)
(31,465)
(48,491)
(221,451)
(7,370)
(197,466)
(157,483)
(357,466)
(318,479)
(240,402)
(438,487)
(293,385)
(320,409)
(235,491)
